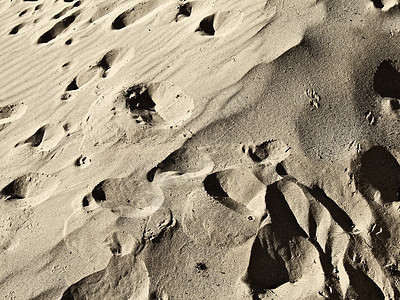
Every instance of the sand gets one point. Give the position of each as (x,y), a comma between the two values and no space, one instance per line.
(176,149)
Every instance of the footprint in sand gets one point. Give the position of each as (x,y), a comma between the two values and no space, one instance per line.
(213,222)
(181,163)
(106,209)
(139,102)
(241,186)
(23,12)
(384,5)
(16,29)
(281,253)
(101,69)
(227,211)
(184,10)
(113,59)
(66,9)
(229,204)
(36,139)
(45,138)
(61,13)
(38,7)
(161,104)
(30,189)
(135,14)
(206,26)
(220,24)
(379,173)
(387,79)
(391,108)
(127,197)
(11,221)
(109,284)
(12,112)
(108,60)
(57,29)
(192,161)
(226,22)
(102,9)
(172,104)
(269,152)
(157,223)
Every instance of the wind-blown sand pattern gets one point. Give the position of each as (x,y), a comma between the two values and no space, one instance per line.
(199,149)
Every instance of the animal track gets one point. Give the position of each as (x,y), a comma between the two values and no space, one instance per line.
(314,98)
(57,29)
(82,161)
(370,118)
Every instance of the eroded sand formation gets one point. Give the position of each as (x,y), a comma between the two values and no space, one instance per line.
(199,149)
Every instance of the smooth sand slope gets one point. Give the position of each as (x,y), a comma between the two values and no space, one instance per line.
(199,149)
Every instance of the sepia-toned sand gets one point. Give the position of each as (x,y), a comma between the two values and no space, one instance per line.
(205,149)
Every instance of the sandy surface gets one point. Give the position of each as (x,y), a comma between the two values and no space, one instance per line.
(226,149)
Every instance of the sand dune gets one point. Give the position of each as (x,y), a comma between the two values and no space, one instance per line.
(199,149)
